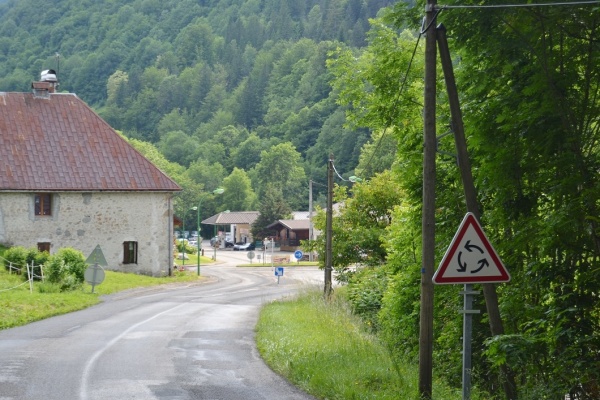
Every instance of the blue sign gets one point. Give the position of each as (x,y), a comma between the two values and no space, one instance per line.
(298,254)
(278,271)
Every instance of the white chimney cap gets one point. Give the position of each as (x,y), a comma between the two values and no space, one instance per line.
(49,75)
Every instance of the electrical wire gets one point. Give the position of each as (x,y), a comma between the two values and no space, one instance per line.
(337,173)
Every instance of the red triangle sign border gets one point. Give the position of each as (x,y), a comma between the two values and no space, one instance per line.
(470,221)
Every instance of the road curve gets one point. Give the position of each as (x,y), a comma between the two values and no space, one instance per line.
(176,342)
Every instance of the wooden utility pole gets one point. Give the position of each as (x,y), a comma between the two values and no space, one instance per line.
(428,217)
(329,228)
(489,289)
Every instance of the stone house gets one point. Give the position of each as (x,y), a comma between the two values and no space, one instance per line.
(67,179)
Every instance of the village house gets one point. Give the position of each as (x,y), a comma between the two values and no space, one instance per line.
(67,179)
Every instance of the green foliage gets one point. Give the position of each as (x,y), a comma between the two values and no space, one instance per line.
(66,268)
(281,168)
(359,224)
(183,246)
(238,194)
(15,259)
(272,208)
(365,293)
(535,141)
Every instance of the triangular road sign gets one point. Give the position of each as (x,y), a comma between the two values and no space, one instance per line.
(470,257)
(97,257)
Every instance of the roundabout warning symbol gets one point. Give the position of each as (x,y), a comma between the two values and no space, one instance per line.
(470,258)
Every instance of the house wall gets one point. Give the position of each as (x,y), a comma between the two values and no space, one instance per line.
(85,220)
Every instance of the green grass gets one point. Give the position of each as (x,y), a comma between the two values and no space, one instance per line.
(322,348)
(19,307)
(193,260)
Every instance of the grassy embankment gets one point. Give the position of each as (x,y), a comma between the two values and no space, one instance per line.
(320,347)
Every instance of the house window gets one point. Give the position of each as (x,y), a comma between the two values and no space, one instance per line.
(130,252)
(43,246)
(43,204)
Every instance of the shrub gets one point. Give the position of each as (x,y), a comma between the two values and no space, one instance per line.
(365,292)
(183,246)
(66,268)
(15,259)
(19,257)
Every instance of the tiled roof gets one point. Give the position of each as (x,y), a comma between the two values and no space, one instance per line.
(58,143)
(233,217)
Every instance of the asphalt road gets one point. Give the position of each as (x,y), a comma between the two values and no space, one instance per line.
(177,342)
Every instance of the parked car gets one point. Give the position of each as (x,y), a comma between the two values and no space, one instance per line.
(244,246)
(229,243)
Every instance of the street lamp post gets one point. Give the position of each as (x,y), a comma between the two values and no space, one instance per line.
(216,191)
(182,242)
(199,238)
(215,233)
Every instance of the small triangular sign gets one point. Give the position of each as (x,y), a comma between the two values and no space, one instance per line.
(97,257)
(470,258)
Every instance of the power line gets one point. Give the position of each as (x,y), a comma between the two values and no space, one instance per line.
(574,3)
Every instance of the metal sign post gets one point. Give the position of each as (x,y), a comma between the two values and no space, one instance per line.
(278,273)
(298,255)
(94,275)
(467,312)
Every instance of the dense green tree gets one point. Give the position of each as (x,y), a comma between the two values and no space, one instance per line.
(247,154)
(195,43)
(360,223)
(238,195)
(377,155)
(212,152)
(281,168)
(272,207)
(174,121)
(208,175)
(178,147)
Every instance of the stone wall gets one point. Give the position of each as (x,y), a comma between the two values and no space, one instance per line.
(85,220)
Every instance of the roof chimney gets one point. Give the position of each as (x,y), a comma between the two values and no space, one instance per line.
(47,84)
(49,75)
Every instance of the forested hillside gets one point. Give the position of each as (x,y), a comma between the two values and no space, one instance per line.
(211,83)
